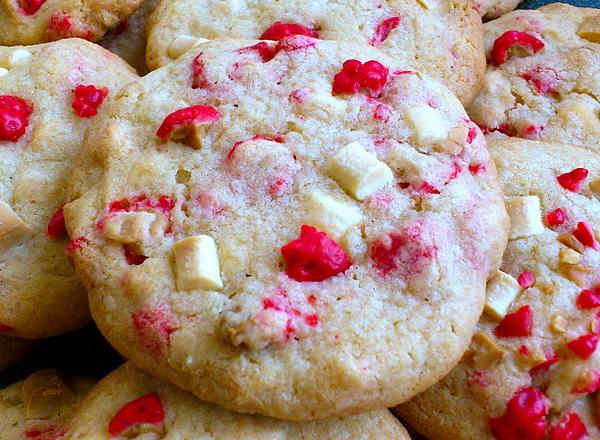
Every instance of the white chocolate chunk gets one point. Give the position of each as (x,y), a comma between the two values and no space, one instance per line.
(595,187)
(197,264)
(134,227)
(182,43)
(359,172)
(322,100)
(329,215)
(589,29)
(10,222)
(525,216)
(19,56)
(502,290)
(430,125)
(3,71)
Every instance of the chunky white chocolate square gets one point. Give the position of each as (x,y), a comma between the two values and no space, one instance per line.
(429,125)
(10,222)
(330,215)
(589,29)
(182,43)
(502,290)
(134,227)
(197,264)
(359,172)
(525,216)
(322,100)
(19,56)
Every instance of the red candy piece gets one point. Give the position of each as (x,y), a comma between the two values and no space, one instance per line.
(543,79)
(526,280)
(199,79)
(75,245)
(56,225)
(30,7)
(87,99)
(585,235)
(591,387)
(355,75)
(265,51)
(147,410)
(383,29)
(281,30)
(154,328)
(556,217)
(584,346)
(544,366)
(589,299)
(515,325)
(525,417)
(573,180)
(185,117)
(132,257)
(513,38)
(569,427)
(314,256)
(14,113)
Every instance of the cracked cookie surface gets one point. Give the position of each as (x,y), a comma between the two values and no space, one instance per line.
(39,21)
(169,413)
(536,342)
(48,96)
(543,77)
(439,37)
(277,227)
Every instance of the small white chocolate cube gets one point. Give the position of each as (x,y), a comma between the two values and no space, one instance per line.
(595,187)
(502,290)
(19,56)
(197,264)
(3,71)
(329,215)
(10,222)
(359,172)
(182,43)
(321,100)
(525,216)
(134,227)
(429,125)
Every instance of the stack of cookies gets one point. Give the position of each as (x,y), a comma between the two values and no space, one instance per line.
(290,223)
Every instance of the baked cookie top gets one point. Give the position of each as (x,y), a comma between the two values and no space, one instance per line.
(278,227)
(543,77)
(533,358)
(36,408)
(48,95)
(39,21)
(439,37)
(490,9)
(128,40)
(13,350)
(130,401)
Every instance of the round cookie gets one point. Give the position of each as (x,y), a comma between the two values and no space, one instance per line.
(13,350)
(490,9)
(543,77)
(48,96)
(278,227)
(536,342)
(439,37)
(171,413)
(128,40)
(36,408)
(38,21)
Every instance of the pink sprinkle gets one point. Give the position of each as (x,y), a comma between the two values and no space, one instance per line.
(382,113)
(210,205)
(526,280)
(543,79)
(278,186)
(479,379)
(312,299)
(299,95)
(75,245)
(312,319)
(477,168)
(524,350)
(532,131)
(383,29)
(199,79)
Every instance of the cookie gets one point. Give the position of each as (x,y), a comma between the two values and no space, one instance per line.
(36,408)
(48,95)
(128,40)
(532,367)
(13,350)
(129,400)
(279,226)
(490,9)
(39,21)
(439,37)
(542,81)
